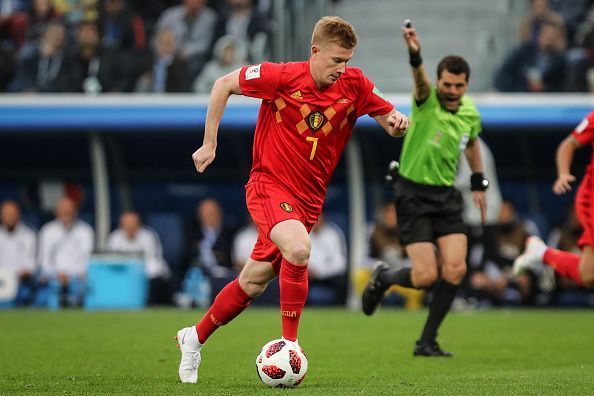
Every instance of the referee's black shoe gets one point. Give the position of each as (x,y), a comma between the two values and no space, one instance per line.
(430,349)
(374,291)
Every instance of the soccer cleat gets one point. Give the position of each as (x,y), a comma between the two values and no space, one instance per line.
(531,259)
(189,346)
(431,349)
(374,291)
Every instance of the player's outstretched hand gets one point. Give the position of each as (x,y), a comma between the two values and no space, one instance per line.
(563,184)
(203,157)
(398,124)
(412,39)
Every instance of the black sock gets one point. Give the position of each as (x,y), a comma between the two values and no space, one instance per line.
(440,305)
(399,277)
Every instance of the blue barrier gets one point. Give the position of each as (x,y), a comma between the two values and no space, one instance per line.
(188,112)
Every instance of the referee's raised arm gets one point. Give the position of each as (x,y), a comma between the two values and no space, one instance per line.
(422,82)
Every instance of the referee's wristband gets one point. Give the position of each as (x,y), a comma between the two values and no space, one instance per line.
(415,59)
(478,182)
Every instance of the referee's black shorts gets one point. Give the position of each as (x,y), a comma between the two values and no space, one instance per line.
(427,212)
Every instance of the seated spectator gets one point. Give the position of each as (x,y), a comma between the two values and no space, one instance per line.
(17,250)
(243,21)
(168,70)
(133,237)
(46,69)
(243,244)
(209,241)
(327,267)
(39,16)
(229,54)
(193,24)
(65,245)
(94,70)
(530,25)
(573,13)
(536,67)
(121,30)
(580,59)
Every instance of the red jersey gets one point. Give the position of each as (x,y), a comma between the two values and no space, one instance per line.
(302,130)
(584,133)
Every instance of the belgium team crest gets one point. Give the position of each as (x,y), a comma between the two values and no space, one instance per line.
(286,207)
(316,120)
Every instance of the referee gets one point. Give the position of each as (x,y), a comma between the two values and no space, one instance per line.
(444,124)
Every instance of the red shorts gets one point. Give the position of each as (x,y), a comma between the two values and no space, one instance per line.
(584,208)
(269,204)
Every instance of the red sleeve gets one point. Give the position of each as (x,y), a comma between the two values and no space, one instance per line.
(370,100)
(584,132)
(260,81)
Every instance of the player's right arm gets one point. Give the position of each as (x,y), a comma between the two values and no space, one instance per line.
(222,89)
(564,158)
(420,76)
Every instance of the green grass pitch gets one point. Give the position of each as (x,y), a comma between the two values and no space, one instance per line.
(497,352)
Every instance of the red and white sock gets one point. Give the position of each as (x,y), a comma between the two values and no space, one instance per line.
(565,263)
(293,294)
(229,303)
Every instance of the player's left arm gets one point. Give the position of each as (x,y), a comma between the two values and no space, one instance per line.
(395,123)
(478,183)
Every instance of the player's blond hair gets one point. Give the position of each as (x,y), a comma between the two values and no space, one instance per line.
(333,29)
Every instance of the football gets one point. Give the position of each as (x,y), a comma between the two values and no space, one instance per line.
(281,364)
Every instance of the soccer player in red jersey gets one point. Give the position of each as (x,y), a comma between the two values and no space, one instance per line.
(307,115)
(579,268)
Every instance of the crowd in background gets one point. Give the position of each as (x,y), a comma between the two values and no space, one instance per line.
(555,51)
(95,46)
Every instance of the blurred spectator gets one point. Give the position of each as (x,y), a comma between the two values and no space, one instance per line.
(121,30)
(530,25)
(327,265)
(17,249)
(229,54)
(95,70)
(38,18)
(133,237)
(383,242)
(46,69)
(573,13)
(193,24)
(7,67)
(243,244)
(535,67)
(580,60)
(209,245)
(245,22)
(65,245)
(168,70)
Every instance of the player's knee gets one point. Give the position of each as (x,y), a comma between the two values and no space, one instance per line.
(424,279)
(298,253)
(454,273)
(252,287)
(588,280)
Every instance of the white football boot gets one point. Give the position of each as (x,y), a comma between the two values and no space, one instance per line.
(532,257)
(189,346)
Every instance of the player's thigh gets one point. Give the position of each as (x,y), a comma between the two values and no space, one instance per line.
(424,263)
(292,239)
(255,276)
(452,253)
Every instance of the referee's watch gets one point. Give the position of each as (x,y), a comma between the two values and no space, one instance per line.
(478,182)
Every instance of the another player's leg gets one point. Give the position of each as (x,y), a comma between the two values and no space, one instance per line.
(292,239)
(424,275)
(227,305)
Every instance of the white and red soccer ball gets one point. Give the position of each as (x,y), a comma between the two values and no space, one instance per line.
(282,364)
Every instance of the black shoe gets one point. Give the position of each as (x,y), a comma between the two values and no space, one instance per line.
(374,291)
(430,349)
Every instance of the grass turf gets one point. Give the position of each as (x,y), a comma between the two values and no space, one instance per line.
(497,352)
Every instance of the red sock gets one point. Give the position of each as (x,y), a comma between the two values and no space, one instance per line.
(229,303)
(565,263)
(293,293)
